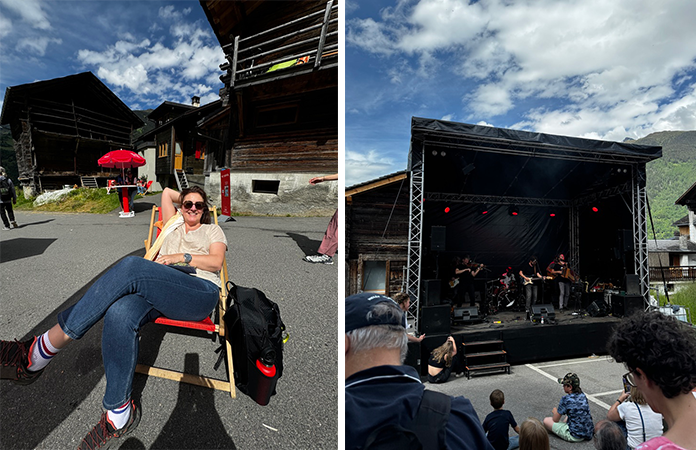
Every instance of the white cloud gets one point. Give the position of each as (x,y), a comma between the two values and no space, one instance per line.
(36,45)
(5,26)
(606,69)
(366,166)
(132,77)
(160,70)
(30,11)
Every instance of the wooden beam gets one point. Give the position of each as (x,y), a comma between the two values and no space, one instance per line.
(198,380)
(376,184)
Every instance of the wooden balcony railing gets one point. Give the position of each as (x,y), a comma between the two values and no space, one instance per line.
(299,46)
(673,273)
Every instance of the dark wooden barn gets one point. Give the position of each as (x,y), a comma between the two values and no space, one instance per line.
(62,126)
(176,152)
(377,224)
(280,127)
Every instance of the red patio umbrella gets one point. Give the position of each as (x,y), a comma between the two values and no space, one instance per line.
(120,159)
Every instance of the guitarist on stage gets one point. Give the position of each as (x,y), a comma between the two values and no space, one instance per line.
(529,272)
(557,269)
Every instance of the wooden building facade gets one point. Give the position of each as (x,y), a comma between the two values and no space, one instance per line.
(280,126)
(175,145)
(377,226)
(61,127)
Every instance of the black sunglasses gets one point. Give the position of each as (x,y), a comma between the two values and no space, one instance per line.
(189,204)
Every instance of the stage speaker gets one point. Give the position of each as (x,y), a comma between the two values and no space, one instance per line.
(544,311)
(626,240)
(625,305)
(632,285)
(413,357)
(437,238)
(435,319)
(432,292)
(598,308)
(469,314)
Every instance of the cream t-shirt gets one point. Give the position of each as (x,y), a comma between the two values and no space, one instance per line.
(196,242)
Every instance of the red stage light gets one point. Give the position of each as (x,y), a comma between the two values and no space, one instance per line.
(484,211)
(514,213)
(552,214)
(595,209)
(447,209)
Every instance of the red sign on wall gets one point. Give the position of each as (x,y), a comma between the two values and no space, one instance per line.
(225,191)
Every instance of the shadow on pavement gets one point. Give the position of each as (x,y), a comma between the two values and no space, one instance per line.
(307,245)
(24,225)
(30,413)
(18,248)
(194,423)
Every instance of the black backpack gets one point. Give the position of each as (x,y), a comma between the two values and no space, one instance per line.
(427,431)
(256,332)
(5,190)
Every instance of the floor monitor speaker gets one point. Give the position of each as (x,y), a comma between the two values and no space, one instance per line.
(544,311)
(468,314)
(598,308)
(435,319)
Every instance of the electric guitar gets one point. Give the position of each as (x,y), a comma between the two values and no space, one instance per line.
(531,280)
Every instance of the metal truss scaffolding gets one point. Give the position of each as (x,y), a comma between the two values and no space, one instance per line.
(640,235)
(415,237)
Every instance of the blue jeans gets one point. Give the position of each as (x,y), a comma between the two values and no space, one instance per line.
(134,292)
(514,442)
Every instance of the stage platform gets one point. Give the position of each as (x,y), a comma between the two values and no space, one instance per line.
(571,334)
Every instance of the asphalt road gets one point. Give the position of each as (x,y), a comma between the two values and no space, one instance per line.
(532,390)
(51,260)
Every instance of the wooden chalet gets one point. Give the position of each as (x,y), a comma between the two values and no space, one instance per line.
(176,153)
(377,225)
(61,127)
(280,125)
(674,260)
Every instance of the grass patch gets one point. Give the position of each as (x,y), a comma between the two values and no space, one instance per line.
(686,297)
(80,200)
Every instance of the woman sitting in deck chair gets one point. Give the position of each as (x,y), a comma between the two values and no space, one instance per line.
(133,292)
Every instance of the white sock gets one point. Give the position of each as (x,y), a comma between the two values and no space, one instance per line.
(42,353)
(119,416)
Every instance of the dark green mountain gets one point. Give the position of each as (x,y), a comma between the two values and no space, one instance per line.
(669,177)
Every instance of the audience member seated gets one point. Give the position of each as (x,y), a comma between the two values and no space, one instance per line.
(637,420)
(442,360)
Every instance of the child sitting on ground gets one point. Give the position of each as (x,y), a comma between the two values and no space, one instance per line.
(496,424)
(579,426)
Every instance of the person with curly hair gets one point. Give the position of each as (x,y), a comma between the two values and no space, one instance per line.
(659,352)
(442,361)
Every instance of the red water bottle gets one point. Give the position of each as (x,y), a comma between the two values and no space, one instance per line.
(262,379)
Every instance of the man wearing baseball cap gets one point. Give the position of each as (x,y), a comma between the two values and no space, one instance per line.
(579,425)
(385,402)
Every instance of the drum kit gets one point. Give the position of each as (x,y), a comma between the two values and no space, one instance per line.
(502,293)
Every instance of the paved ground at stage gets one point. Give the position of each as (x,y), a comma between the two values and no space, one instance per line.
(48,263)
(532,390)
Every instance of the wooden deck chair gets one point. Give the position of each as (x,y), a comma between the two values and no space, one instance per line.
(206,325)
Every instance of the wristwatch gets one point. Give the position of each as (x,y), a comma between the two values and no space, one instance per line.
(187,258)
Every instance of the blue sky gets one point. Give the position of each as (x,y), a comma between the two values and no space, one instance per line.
(145,51)
(597,69)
